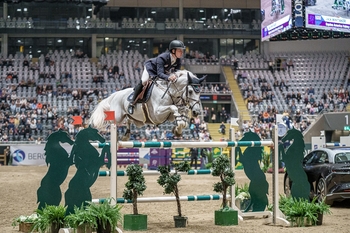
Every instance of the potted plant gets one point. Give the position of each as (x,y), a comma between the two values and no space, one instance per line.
(50,217)
(301,212)
(242,196)
(169,181)
(107,215)
(134,187)
(221,167)
(25,223)
(81,219)
(321,208)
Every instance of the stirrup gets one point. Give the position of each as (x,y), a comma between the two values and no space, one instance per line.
(131,109)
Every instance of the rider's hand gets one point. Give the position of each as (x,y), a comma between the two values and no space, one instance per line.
(172,78)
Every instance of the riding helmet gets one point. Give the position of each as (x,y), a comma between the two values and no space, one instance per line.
(176,44)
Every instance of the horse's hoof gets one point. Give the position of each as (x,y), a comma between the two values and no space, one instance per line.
(176,134)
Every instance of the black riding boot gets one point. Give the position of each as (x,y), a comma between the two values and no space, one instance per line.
(137,91)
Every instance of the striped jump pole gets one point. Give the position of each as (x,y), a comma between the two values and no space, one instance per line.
(167,199)
(168,144)
(149,173)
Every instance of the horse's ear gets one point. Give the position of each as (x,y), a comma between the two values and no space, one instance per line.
(189,78)
(202,78)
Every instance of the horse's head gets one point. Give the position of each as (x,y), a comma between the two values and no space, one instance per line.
(293,135)
(60,136)
(192,93)
(89,134)
(250,136)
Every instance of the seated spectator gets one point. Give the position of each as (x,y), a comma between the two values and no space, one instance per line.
(116,69)
(25,63)
(163,135)
(137,67)
(222,128)
(110,73)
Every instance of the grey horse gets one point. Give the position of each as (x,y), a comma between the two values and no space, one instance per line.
(172,101)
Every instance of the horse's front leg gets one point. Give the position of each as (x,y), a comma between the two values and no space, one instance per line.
(175,116)
(168,109)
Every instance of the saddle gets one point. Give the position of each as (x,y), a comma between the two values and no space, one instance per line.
(145,94)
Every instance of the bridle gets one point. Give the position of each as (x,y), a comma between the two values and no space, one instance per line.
(179,100)
(188,98)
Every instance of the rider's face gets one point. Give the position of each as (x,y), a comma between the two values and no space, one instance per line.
(179,53)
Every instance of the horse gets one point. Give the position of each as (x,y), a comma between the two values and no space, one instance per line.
(258,187)
(173,103)
(88,161)
(293,159)
(49,192)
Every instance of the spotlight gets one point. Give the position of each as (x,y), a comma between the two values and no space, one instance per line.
(326,34)
(294,35)
(305,34)
(315,34)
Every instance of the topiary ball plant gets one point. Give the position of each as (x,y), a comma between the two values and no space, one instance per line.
(170,180)
(222,167)
(135,186)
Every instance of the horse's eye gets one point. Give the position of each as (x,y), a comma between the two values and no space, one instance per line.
(190,92)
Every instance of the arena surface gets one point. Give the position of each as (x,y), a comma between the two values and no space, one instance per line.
(19,186)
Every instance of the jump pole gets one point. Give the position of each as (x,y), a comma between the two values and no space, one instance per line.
(168,144)
(167,199)
(157,173)
(114,149)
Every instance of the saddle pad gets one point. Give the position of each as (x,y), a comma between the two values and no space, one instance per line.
(146,96)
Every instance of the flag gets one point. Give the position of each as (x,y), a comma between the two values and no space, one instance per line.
(109,115)
(77,120)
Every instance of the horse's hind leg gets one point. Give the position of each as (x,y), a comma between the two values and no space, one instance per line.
(126,135)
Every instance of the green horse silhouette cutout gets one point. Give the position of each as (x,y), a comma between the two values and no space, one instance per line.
(88,161)
(258,187)
(293,159)
(59,161)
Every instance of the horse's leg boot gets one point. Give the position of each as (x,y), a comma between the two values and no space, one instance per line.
(137,91)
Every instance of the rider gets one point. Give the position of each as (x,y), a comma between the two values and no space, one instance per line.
(161,67)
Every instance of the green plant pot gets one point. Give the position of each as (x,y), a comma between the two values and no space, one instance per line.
(180,221)
(226,218)
(319,219)
(106,229)
(84,228)
(27,227)
(55,227)
(135,222)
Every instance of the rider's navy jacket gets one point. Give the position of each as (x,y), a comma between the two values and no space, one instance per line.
(160,66)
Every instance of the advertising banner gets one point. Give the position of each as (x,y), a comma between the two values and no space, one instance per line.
(28,155)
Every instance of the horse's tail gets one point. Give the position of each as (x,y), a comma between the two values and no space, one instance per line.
(97,119)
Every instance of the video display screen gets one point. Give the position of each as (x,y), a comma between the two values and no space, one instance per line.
(328,15)
(276,17)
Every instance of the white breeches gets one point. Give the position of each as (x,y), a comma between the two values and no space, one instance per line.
(145,76)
